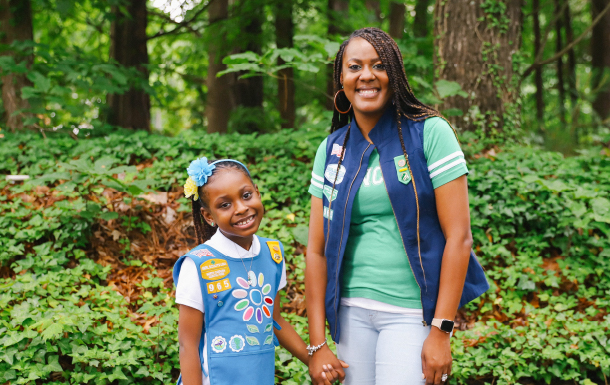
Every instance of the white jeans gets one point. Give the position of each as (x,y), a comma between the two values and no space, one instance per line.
(381,348)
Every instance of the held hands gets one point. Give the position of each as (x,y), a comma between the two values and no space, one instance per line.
(325,368)
(436,357)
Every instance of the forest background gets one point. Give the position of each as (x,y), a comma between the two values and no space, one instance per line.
(105,103)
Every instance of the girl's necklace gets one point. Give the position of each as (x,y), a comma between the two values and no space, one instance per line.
(250,283)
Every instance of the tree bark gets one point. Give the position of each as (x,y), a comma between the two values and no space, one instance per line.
(15,25)
(397,20)
(128,48)
(218,101)
(477,52)
(284,32)
(600,52)
(558,48)
(538,72)
(571,56)
(374,7)
(338,11)
(248,92)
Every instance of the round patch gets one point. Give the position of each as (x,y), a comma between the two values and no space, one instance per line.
(331,172)
(401,163)
(256,297)
(237,343)
(219,344)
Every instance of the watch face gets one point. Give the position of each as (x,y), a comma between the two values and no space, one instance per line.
(447,326)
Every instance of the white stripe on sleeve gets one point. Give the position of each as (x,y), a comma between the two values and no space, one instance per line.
(447,167)
(317,184)
(315,176)
(445,160)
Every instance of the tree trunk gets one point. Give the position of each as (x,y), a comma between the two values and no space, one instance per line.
(128,48)
(248,92)
(420,22)
(15,25)
(338,11)
(558,48)
(538,71)
(397,20)
(374,7)
(600,52)
(284,31)
(571,56)
(218,100)
(477,53)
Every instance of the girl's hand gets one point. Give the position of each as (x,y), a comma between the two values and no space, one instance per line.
(325,368)
(436,356)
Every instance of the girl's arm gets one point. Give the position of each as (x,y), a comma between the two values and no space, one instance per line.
(315,292)
(287,336)
(190,325)
(454,216)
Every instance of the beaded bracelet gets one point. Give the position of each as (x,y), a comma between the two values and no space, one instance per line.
(313,349)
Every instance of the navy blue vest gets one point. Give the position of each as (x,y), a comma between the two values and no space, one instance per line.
(238,316)
(338,209)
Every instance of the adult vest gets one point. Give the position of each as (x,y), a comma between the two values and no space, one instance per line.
(399,185)
(238,317)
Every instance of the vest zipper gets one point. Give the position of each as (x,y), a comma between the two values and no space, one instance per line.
(343,232)
(403,245)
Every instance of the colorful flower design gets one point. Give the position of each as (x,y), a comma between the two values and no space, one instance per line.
(190,189)
(199,170)
(253,298)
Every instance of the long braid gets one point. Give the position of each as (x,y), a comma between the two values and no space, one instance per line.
(202,228)
(404,100)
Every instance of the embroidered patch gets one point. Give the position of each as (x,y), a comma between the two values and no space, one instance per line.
(252,278)
(266,311)
(325,213)
(218,286)
(331,171)
(259,315)
(266,289)
(327,192)
(237,343)
(268,327)
(276,251)
(256,297)
(219,344)
(252,328)
(337,149)
(202,253)
(268,340)
(402,169)
(214,269)
(261,279)
(252,341)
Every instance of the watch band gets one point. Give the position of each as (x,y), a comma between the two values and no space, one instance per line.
(444,325)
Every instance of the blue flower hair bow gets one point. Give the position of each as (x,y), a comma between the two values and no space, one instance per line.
(200,171)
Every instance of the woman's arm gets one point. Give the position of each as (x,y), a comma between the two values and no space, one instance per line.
(287,336)
(315,293)
(454,216)
(190,322)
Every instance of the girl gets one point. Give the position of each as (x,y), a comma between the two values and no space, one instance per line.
(389,250)
(227,286)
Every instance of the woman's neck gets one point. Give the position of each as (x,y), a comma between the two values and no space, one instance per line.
(366,122)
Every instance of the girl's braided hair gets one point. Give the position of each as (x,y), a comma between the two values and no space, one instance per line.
(403,99)
(202,228)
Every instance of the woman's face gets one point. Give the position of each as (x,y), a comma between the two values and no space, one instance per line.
(365,79)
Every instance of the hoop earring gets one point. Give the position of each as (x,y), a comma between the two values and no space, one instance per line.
(337,108)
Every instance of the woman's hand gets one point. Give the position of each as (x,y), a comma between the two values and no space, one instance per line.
(325,368)
(436,356)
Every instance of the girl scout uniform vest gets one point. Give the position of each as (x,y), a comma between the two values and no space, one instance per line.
(338,209)
(238,317)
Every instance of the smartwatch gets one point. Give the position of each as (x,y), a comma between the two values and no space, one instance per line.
(444,325)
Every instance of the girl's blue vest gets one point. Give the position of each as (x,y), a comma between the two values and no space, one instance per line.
(238,316)
(337,214)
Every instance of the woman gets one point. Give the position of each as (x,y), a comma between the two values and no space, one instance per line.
(389,250)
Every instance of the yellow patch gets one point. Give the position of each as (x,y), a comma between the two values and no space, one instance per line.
(276,251)
(218,286)
(214,269)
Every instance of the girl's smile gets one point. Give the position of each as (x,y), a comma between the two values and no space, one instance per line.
(234,205)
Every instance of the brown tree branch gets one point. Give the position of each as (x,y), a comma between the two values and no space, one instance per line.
(181,25)
(567,47)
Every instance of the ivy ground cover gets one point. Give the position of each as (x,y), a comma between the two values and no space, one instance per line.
(88,242)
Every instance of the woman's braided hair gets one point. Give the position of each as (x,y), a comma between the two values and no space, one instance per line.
(403,99)
(203,229)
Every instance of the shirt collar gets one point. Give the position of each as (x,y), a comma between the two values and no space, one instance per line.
(229,248)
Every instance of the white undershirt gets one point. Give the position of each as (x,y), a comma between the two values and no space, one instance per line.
(371,304)
(188,289)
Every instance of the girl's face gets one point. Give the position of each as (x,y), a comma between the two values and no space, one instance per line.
(234,205)
(365,79)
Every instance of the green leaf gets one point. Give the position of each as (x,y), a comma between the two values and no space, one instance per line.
(252,341)
(601,209)
(301,234)
(108,215)
(268,340)
(447,88)
(252,328)
(53,331)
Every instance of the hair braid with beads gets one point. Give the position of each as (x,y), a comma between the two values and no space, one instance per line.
(203,229)
(403,99)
